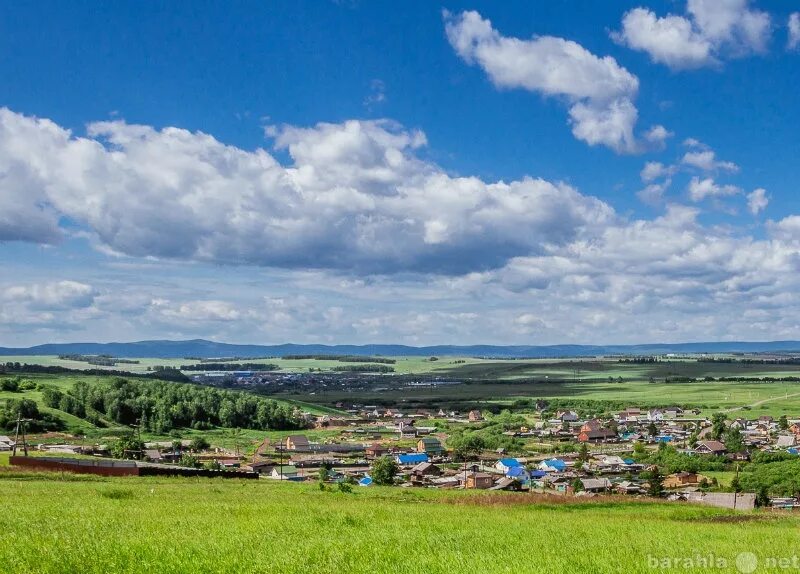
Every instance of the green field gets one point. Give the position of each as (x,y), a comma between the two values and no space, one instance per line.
(202,525)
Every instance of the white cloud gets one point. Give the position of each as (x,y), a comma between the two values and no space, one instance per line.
(658,135)
(653,194)
(655,169)
(794,31)
(599,91)
(202,311)
(54,295)
(757,201)
(700,189)
(706,161)
(356,196)
(710,31)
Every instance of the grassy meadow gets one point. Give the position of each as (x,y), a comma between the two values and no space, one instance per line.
(174,525)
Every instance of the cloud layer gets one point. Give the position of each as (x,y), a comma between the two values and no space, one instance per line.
(356,196)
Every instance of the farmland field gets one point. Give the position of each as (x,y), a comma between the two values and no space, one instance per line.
(203,525)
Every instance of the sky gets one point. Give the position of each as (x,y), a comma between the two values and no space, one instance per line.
(400,172)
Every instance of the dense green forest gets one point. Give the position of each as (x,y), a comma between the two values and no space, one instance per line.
(162,406)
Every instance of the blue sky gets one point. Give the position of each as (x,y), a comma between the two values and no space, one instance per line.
(399,172)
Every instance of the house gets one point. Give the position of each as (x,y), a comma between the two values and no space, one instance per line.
(430,445)
(376,450)
(786,441)
(152,455)
(518,473)
(406,429)
(297,442)
(682,479)
(506,464)
(567,416)
(284,473)
(553,465)
(6,443)
(475,416)
(795,428)
(628,487)
(411,459)
(593,431)
(479,480)
(264,468)
(424,469)
(595,484)
(710,447)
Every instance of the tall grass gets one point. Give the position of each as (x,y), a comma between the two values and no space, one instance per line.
(162,525)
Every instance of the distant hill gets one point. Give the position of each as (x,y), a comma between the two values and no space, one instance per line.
(210,349)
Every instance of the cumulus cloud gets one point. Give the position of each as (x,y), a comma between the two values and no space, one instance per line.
(706,161)
(710,31)
(655,169)
(793,41)
(700,189)
(757,201)
(598,90)
(355,196)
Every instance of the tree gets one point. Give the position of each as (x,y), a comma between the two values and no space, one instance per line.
(652,429)
(198,444)
(583,453)
(762,497)
(733,440)
(189,461)
(717,425)
(656,483)
(638,450)
(736,486)
(783,423)
(577,485)
(384,470)
(467,446)
(128,447)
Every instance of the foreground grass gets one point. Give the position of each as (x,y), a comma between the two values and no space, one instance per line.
(53,525)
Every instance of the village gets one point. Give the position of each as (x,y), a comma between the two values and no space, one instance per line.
(564,453)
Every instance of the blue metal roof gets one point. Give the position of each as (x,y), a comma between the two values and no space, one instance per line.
(510,462)
(556,463)
(538,474)
(516,471)
(415,458)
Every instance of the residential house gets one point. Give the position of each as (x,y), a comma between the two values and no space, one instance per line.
(475,416)
(152,455)
(786,441)
(567,416)
(376,450)
(424,470)
(593,431)
(407,429)
(710,447)
(683,479)
(479,480)
(285,472)
(297,442)
(6,443)
(628,487)
(553,465)
(431,446)
(506,464)
(411,459)
(596,484)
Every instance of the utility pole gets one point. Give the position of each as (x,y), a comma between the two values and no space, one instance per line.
(21,423)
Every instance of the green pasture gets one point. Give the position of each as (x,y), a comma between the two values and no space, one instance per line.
(60,523)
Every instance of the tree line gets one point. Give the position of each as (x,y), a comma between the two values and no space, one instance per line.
(160,407)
